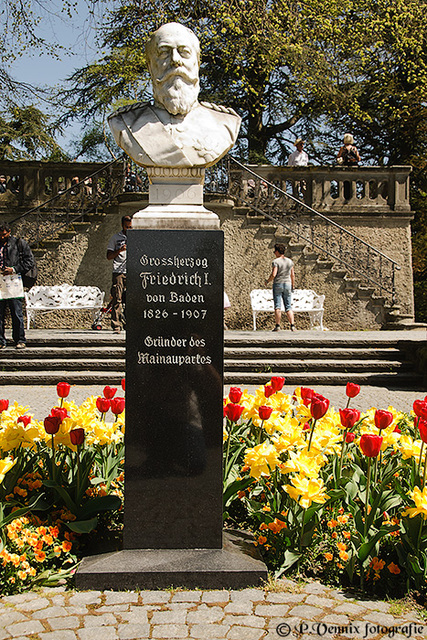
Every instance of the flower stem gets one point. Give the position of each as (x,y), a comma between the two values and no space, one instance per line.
(368,485)
(421,457)
(342,452)
(53,459)
(311,434)
(425,470)
(227,453)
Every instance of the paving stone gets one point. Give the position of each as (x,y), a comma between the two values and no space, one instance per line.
(135,617)
(286,582)
(216,596)
(25,628)
(305,611)
(334,619)
(291,623)
(113,608)
(239,607)
(186,596)
(120,597)
(19,597)
(317,601)
(34,605)
(248,595)
(52,612)
(379,618)
(168,617)
(209,631)
(132,631)
(315,587)
(58,600)
(86,597)
(245,621)
(97,633)
(150,597)
(164,631)
(205,614)
(376,605)
(70,622)
(245,633)
(4,634)
(284,597)
(272,610)
(9,616)
(350,608)
(104,620)
(79,610)
(63,634)
(52,591)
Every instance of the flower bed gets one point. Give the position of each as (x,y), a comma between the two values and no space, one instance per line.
(336,495)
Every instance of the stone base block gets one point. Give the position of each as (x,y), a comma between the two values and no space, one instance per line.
(235,566)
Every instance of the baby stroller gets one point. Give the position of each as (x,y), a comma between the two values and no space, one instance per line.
(100,315)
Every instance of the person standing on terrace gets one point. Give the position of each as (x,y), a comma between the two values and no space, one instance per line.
(283,276)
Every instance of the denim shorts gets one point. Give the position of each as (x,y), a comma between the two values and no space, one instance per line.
(282,291)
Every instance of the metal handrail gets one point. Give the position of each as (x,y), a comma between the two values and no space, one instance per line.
(342,230)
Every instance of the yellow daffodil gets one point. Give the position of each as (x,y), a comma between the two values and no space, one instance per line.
(306,491)
(306,463)
(261,459)
(420,499)
(5,465)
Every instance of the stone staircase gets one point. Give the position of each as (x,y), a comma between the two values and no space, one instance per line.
(250,358)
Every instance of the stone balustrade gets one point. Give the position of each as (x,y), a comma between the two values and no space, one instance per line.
(362,190)
(31,183)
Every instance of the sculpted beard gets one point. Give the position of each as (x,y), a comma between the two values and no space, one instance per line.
(177,92)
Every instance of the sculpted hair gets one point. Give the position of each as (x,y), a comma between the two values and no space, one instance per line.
(280,248)
(150,46)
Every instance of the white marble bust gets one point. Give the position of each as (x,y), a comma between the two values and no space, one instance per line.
(177,130)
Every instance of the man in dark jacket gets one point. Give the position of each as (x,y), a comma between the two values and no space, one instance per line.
(15,257)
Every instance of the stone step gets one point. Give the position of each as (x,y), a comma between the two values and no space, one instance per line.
(322,353)
(346,366)
(46,364)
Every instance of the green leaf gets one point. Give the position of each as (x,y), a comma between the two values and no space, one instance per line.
(366,548)
(82,526)
(99,505)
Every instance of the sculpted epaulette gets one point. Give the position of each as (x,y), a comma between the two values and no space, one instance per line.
(217,107)
(128,107)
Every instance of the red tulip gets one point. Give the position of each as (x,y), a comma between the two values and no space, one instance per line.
(268,390)
(110,392)
(306,426)
(383,419)
(277,383)
(51,424)
(420,408)
(306,395)
(371,444)
(422,427)
(59,412)
(117,406)
(352,389)
(63,389)
(77,436)
(103,404)
(4,405)
(350,437)
(396,430)
(123,383)
(25,420)
(265,412)
(349,417)
(319,406)
(235,394)
(233,411)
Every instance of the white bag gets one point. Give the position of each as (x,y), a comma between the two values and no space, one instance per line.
(11,287)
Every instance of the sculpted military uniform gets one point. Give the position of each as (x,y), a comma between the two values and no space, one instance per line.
(152,136)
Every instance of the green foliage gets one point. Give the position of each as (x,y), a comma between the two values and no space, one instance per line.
(26,133)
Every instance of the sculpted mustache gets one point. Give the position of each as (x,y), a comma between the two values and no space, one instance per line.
(175,73)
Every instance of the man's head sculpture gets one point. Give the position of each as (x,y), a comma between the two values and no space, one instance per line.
(173,59)
(177,130)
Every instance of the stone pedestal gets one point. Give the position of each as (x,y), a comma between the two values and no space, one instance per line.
(174,410)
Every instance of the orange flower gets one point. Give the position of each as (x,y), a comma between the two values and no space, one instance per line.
(263,526)
(40,556)
(241,494)
(262,539)
(343,555)
(393,568)
(342,519)
(332,524)
(277,525)
(346,534)
(66,546)
(328,557)
(334,535)
(22,575)
(341,546)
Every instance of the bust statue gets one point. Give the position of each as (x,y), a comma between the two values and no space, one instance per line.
(176,130)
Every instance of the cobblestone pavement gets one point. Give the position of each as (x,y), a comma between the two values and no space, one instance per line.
(306,612)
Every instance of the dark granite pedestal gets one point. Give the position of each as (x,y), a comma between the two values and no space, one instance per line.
(235,566)
(174,416)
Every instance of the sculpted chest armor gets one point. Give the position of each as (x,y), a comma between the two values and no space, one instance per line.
(151,136)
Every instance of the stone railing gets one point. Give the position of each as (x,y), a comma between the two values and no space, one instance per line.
(369,190)
(31,183)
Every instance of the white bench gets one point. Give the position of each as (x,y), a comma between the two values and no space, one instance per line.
(44,299)
(302,300)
